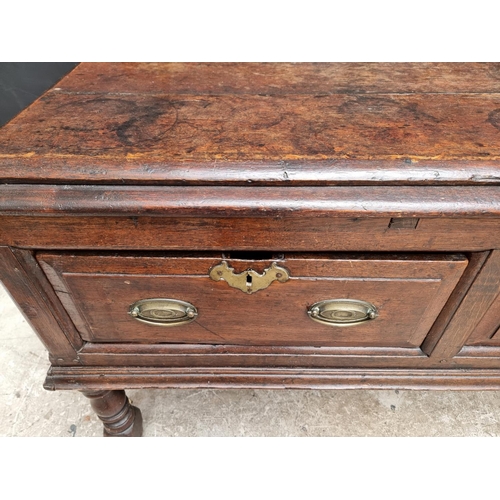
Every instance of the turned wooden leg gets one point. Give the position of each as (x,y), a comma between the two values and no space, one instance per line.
(119,417)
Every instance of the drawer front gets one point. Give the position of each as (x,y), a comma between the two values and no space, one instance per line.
(406,294)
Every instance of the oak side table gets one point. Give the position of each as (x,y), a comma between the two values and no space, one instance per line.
(257,225)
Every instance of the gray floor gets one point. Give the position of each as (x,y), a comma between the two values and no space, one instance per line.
(26,409)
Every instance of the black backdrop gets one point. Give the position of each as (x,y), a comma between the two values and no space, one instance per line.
(22,83)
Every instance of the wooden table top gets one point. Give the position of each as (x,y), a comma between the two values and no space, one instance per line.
(261,123)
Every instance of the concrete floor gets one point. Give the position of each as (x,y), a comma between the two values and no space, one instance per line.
(26,409)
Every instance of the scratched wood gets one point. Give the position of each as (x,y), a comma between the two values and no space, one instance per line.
(408,292)
(473,310)
(140,168)
(28,287)
(259,201)
(99,378)
(239,123)
(299,233)
(278,79)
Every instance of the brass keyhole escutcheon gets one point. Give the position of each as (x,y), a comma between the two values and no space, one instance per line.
(249,281)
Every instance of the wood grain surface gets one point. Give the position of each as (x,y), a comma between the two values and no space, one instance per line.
(236,201)
(227,355)
(130,180)
(119,417)
(475,305)
(99,378)
(409,292)
(283,78)
(36,298)
(299,233)
(174,123)
(487,332)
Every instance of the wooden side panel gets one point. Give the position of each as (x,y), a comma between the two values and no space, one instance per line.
(29,288)
(59,287)
(487,332)
(476,262)
(496,337)
(480,298)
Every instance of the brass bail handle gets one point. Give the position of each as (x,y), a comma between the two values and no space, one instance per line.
(249,281)
(163,312)
(342,312)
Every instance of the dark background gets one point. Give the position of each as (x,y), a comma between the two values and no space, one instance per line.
(22,83)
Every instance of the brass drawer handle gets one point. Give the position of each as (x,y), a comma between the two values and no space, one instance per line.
(163,312)
(342,312)
(249,281)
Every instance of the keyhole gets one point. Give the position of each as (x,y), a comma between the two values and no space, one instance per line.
(249,281)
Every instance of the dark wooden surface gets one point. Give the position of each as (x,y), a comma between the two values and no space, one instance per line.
(98,378)
(139,128)
(236,201)
(409,294)
(246,233)
(477,302)
(284,78)
(487,331)
(362,158)
(63,170)
(119,417)
(189,356)
(27,285)
(476,262)
(264,123)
